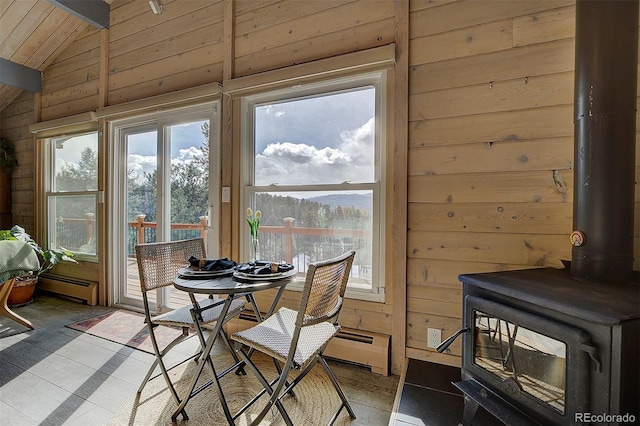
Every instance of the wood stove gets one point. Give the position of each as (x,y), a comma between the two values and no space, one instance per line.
(561,346)
(541,347)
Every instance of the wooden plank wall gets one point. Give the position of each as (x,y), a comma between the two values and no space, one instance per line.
(70,84)
(490,127)
(490,150)
(14,126)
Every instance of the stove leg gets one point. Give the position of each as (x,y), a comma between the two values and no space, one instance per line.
(470,408)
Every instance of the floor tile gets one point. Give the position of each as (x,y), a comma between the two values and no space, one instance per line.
(12,417)
(54,375)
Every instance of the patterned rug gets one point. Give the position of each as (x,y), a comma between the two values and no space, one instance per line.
(127,328)
(314,403)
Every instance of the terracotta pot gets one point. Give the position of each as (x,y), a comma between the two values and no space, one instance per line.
(22,292)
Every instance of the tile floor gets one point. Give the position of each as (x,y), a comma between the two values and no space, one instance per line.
(54,375)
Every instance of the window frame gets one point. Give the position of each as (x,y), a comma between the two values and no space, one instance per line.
(160,121)
(51,194)
(379,80)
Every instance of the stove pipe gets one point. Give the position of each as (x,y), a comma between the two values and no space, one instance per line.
(605,95)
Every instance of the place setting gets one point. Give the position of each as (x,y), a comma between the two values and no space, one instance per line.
(251,271)
(208,268)
(262,270)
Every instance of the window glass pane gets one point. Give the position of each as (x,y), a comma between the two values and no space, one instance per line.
(73,222)
(317,140)
(189,179)
(534,361)
(310,226)
(142,182)
(75,163)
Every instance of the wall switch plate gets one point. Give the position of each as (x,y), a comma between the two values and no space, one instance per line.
(226,194)
(434,337)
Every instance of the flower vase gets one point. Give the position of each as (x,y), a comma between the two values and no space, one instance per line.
(254,250)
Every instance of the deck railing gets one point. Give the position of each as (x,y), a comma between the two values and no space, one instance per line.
(140,232)
(287,243)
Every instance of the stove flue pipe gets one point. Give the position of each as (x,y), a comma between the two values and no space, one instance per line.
(605,94)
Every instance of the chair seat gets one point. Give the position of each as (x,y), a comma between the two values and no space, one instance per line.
(182,317)
(273,336)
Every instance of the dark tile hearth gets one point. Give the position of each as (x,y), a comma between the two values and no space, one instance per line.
(429,399)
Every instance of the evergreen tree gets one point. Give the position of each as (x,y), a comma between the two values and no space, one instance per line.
(80,177)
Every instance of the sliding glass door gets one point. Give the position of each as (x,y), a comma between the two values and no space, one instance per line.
(165,186)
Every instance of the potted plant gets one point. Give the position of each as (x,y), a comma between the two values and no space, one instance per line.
(22,292)
(8,158)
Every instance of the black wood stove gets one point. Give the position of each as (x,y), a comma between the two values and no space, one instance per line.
(544,348)
(561,346)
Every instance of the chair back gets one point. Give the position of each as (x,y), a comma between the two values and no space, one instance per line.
(159,263)
(324,288)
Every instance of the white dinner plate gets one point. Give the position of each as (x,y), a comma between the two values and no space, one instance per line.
(258,277)
(204,274)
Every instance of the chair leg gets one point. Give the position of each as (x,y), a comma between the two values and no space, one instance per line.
(148,376)
(299,377)
(225,339)
(165,372)
(345,403)
(221,396)
(274,393)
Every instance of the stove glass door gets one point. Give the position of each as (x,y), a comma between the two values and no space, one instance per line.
(535,362)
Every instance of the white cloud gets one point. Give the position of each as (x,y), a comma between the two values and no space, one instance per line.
(286,163)
(358,143)
(139,164)
(188,154)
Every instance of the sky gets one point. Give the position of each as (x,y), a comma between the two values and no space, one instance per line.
(315,140)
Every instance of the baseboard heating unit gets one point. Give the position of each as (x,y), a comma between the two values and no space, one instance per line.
(356,346)
(86,291)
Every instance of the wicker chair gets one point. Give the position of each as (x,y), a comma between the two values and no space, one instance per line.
(298,339)
(158,265)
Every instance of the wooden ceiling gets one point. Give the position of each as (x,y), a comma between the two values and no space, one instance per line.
(33,33)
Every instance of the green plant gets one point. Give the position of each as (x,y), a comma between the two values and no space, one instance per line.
(49,258)
(254,221)
(8,158)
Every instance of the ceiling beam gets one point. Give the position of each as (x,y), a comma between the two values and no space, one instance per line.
(95,12)
(20,76)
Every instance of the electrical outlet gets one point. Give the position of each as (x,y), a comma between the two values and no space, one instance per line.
(434,337)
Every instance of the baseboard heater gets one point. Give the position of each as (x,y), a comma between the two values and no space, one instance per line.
(356,346)
(85,291)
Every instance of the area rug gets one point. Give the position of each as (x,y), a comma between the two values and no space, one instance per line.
(127,328)
(314,403)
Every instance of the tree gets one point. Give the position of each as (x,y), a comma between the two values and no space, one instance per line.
(189,189)
(77,177)
(80,177)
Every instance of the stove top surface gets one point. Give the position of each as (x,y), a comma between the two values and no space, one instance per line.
(556,289)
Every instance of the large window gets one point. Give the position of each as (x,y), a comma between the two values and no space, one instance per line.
(72,193)
(314,170)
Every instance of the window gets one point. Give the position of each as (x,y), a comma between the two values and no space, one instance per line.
(312,166)
(72,193)
(163,187)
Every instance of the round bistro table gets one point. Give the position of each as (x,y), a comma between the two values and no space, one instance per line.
(232,286)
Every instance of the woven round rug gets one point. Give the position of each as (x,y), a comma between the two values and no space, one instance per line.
(314,403)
